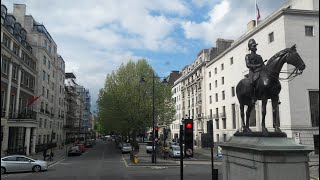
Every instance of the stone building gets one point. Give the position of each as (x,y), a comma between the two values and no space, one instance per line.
(18,87)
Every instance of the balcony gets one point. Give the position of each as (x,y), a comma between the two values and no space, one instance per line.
(23,115)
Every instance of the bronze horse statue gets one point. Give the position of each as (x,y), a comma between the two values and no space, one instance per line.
(268,86)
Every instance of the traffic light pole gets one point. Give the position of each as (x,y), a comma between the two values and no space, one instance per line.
(211,147)
(181,152)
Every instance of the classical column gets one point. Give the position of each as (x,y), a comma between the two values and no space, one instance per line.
(27,140)
(34,138)
(8,90)
(18,91)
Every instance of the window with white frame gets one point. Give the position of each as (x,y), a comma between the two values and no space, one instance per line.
(309,30)
(271,37)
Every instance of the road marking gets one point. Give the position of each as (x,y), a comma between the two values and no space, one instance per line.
(51,165)
(125,163)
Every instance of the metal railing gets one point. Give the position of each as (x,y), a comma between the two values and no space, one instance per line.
(16,150)
(23,115)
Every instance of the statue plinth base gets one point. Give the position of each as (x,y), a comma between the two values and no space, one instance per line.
(264,158)
(261,134)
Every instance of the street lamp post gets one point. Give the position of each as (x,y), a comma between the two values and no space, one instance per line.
(154,157)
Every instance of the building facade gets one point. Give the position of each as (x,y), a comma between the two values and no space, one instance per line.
(294,23)
(85,96)
(18,87)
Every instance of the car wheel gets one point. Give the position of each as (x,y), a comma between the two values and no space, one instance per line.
(3,170)
(36,168)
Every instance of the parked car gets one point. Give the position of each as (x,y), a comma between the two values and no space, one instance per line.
(174,151)
(149,146)
(126,148)
(81,147)
(74,150)
(19,163)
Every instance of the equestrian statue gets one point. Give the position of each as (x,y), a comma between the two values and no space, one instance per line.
(263,82)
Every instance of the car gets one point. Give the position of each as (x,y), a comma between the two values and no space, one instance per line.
(74,150)
(126,148)
(149,146)
(81,147)
(20,163)
(174,151)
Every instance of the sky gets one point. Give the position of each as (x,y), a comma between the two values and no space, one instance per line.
(95,37)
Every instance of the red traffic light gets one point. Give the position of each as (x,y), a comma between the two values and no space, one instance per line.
(189,126)
(156,128)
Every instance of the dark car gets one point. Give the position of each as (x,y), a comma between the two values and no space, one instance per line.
(74,150)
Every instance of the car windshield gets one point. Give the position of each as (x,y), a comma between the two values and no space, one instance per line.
(149,143)
(126,145)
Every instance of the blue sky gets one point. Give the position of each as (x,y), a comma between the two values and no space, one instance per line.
(94,37)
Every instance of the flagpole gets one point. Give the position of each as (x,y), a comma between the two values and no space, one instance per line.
(255,12)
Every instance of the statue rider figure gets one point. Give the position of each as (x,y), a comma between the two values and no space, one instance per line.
(254,63)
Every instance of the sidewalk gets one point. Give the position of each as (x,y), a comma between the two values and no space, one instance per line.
(59,154)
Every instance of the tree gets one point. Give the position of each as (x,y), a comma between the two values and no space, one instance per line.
(125,105)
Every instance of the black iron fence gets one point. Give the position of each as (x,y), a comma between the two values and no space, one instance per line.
(42,147)
(16,150)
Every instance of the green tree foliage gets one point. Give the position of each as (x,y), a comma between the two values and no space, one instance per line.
(125,104)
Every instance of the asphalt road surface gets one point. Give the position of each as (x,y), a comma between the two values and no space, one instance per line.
(104,162)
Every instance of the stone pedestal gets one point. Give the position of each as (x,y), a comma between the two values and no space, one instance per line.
(265,158)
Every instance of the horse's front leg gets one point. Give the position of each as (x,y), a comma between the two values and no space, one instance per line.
(275,104)
(250,107)
(242,116)
(264,112)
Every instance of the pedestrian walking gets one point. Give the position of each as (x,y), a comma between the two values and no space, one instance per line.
(51,156)
(44,154)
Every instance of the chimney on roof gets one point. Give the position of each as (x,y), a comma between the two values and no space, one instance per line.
(19,11)
(251,24)
(222,45)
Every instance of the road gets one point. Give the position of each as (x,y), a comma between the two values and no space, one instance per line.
(104,162)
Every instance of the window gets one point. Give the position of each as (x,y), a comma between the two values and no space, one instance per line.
(217,124)
(15,49)
(271,37)
(223,95)
(222,67)
(4,66)
(47,93)
(309,31)
(40,122)
(218,138)
(14,72)
(209,86)
(44,75)
(48,79)
(49,49)
(45,124)
(44,60)
(3,100)
(233,93)
(27,80)
(314,107)
(215,70)
(216,83)
(222,80)
(231,60)
(43,91)
(217,97)
(49,65)
(39,139)
(224,137)
(209,73)
(45,44)
(210,98)
(233,109)
(22,77)
(6,41)
(53,74)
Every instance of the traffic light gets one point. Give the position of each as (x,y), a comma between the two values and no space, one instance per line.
(156,132)
(188,137)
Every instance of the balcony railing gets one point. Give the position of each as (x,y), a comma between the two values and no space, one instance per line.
(23,115)
(216,116)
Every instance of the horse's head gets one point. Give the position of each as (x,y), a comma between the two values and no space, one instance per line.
(294,59)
